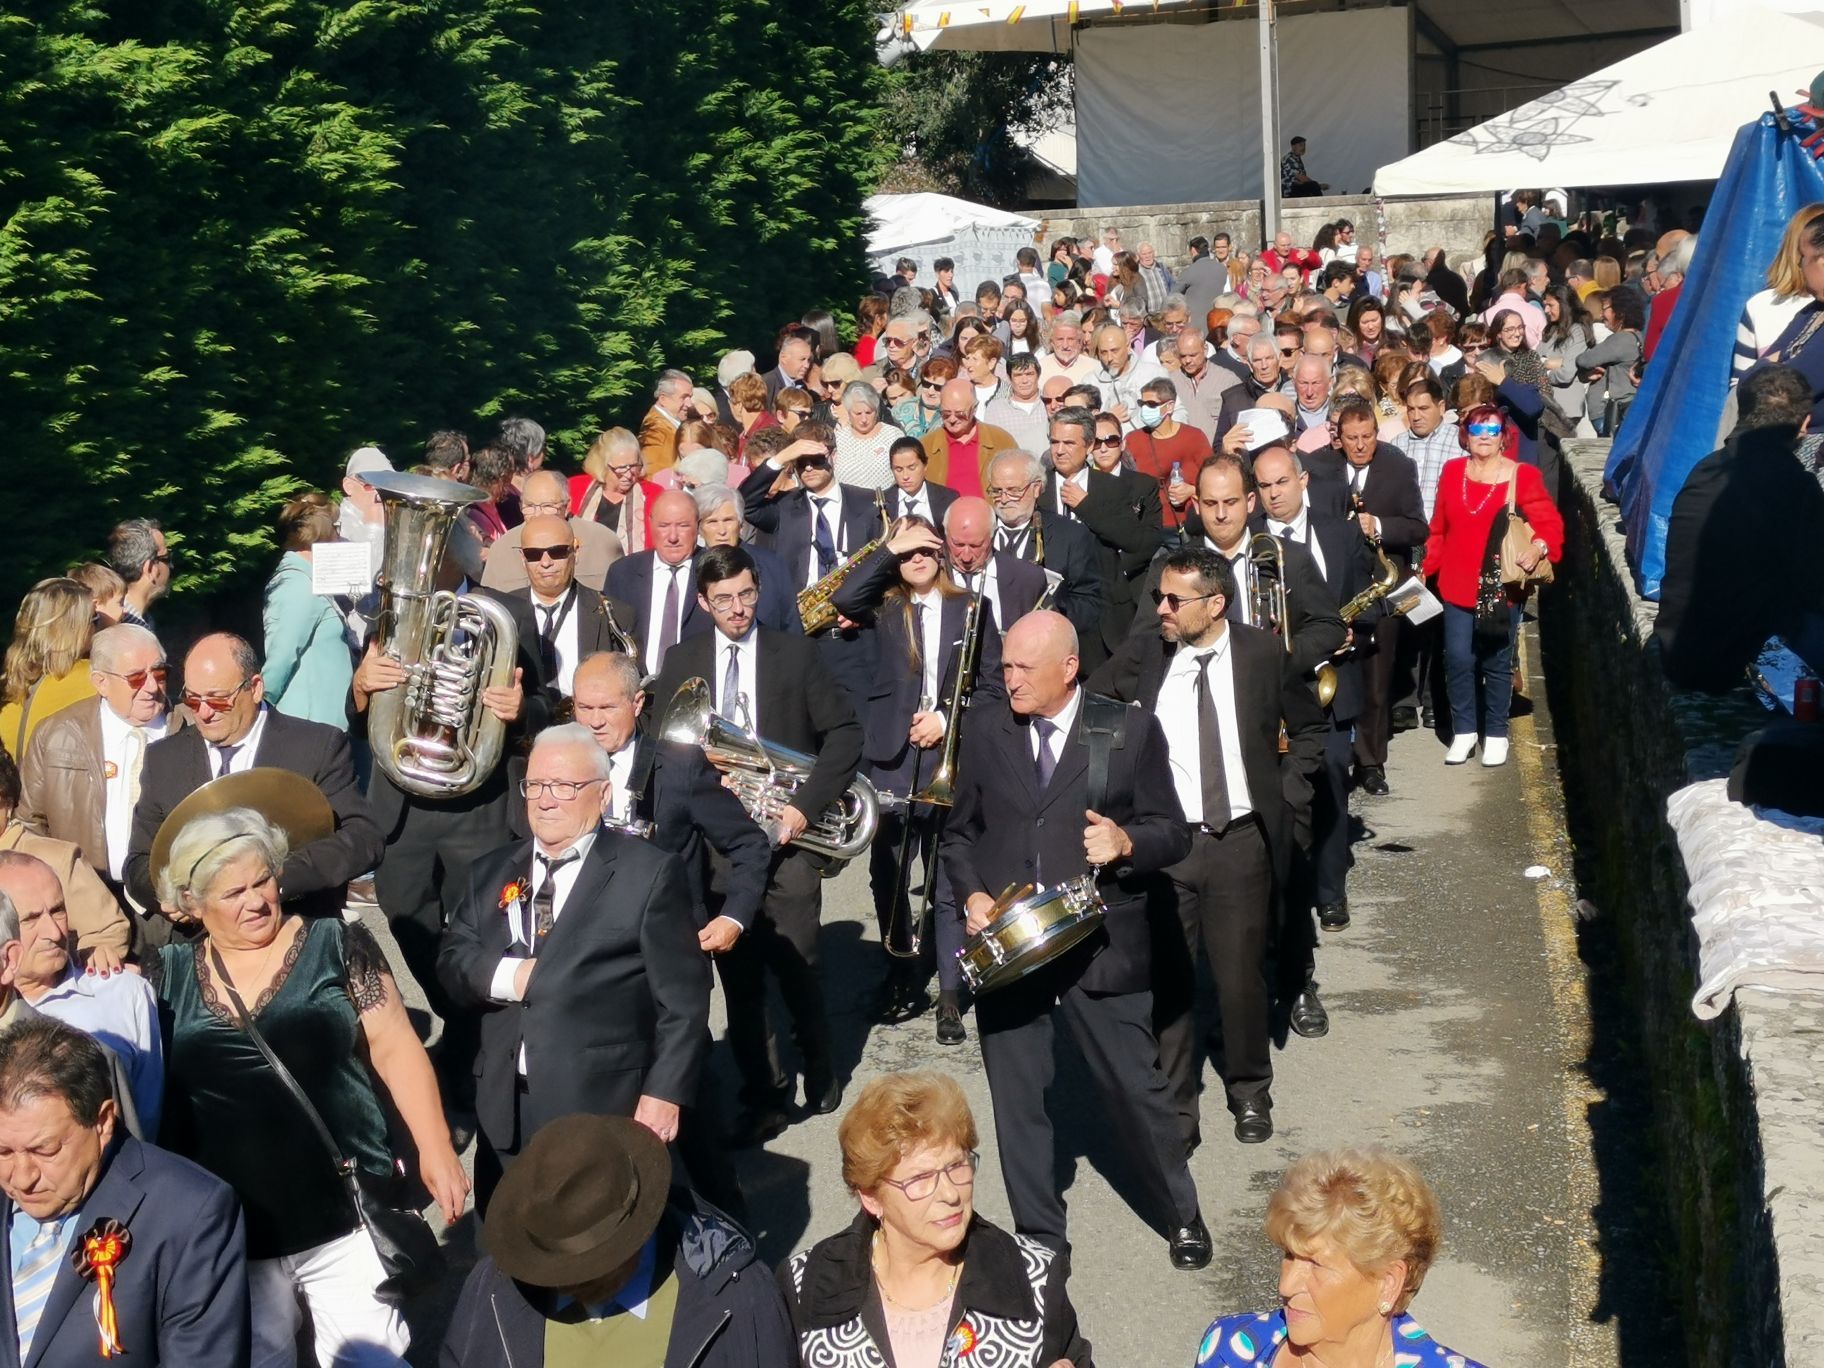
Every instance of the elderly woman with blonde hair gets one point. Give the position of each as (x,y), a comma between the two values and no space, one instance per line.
(320,994)
(918,1278)
(1357,1230)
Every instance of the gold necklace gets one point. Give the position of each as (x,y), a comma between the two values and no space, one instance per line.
(956,1272)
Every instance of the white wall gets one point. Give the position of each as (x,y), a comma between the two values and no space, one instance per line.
(1344,83)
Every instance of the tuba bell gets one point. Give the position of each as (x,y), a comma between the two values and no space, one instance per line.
(431,735)
(766,777)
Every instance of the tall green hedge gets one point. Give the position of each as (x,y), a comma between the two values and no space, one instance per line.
(239,239)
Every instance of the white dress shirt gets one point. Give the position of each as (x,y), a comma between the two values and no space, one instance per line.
(831,505)
(1064,721)
(1016,541)
(620,775)
(502,988)
(988,583)
(1080,480)
(1176,710)
(565,642)
(748,664)
(1358,481)
(655,610)
(245,748)
(918,505)
(1299,530)
(931,643)
(123,755)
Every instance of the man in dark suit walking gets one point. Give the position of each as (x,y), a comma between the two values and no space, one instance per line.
(579,949)
(235,731)
(1055,783)
(1012,587)
(1221,691)
(1120,508)
(562,620)
(1060,546)
(77,1190)
(776,687)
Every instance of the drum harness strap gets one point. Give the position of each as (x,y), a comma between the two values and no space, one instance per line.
(1102,733)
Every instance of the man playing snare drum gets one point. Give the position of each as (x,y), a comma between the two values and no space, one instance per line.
(1055,785)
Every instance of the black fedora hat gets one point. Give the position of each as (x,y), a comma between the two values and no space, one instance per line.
(578,1202)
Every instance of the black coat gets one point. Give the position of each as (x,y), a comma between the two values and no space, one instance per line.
(592,634)
(729,1311)
(1246,395)
(1072,551)
(1121,509)
(630,582)
(895,695)
(1348,569)
(682,795)
(1390,492)
(618,1006)
(938,499)
(1268,691)
(1004,831)
(800,707)
(315,878)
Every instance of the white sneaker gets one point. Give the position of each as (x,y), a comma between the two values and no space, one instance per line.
(1461,748)
(1494,751)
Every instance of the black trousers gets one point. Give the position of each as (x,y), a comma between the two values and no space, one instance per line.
(1374,728)
(1224,891)
(782,941)
(943,929)
(420,880)
(1115,1034)
(1330,857)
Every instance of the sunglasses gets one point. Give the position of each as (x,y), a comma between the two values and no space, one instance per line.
(931,384)
(1484,429)
(814,463)
(1174,602)
(1107,441)
(1288,351)
(535,554)
(137,679)
(1471,348)
(216,701)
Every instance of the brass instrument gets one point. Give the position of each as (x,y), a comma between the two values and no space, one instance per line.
(1387,577)
(620,641)
(431,735)
(766,777)
(1266,587)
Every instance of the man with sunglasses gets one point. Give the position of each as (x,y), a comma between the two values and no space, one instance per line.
(545,494)
(235,731)
(1220,690)
(138,554)
(564,620)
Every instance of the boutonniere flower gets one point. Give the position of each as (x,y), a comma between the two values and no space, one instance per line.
(962,1341)
(97,1257)
(511,894)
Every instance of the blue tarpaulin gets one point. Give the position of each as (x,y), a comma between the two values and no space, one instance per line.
(1672,424)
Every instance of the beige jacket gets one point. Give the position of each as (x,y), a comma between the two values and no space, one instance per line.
(596,549)
(94,915)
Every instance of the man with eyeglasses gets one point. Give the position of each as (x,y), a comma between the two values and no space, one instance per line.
(1064,548)
(579,951)
(234,731)
(561,619)
(1066,356)
(137,553)
(546,495)
(1264,386)
(776,686)
(1220,690)
(82,768)
(961,447)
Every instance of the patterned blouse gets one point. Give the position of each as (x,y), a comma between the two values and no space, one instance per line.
(1252,1339)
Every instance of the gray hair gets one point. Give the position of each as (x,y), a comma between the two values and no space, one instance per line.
(574,734)
(1070,318)
(1174,301)
(523,437)
(1678,260)
(9,919)
(1133,309)
(111,643)
(908,302)
(1238,307)
(710,497)
(131,545)
(1033,467)
(1322,363)
(668,383)
(860,389)
(619,442)
(705,465)
(625,669)
(210,841)
(1260,340)
(1082,419)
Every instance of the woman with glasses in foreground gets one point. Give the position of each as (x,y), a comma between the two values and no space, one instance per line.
(918,1278)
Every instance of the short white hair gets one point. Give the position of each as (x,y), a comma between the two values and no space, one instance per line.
(113,643)
(574,734)
(208,842)
(1032,465)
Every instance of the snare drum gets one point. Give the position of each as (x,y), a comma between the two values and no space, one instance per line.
(1030,929)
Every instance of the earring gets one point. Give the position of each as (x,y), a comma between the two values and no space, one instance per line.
(1386,1308)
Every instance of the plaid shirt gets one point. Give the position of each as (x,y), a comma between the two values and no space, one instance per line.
(1291,167)
(1429,455)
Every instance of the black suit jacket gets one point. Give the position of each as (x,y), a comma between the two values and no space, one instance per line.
(1268,691)
(630,582)
(1348,569)
(1121,509)
(1390,492)
(938,499)
(895,695)
(180,1296)
(1246,395)
(800,706)
(1004,830)
(591,614)
(618,1005)
(682,795)
(315,878)
(1072,551)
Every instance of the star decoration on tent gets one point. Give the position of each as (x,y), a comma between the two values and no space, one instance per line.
(1540,125)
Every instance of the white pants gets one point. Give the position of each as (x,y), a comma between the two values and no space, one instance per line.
(351,1328)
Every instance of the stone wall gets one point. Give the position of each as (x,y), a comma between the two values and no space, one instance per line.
(1739,1106)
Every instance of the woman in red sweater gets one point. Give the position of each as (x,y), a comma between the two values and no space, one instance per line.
(1481,616)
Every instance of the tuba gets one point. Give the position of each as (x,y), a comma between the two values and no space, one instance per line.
(767,777)
(431,735)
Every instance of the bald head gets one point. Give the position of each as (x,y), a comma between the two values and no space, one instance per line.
(674,526)
(969,534)
(1039,662)
(544,492)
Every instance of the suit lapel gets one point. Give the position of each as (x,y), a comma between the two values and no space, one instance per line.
(1017,752)
(586,895)
(1073,759)
(118,1195)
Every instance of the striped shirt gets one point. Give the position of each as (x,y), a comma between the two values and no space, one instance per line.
(1429,454)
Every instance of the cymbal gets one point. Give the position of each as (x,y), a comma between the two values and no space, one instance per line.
(286,799)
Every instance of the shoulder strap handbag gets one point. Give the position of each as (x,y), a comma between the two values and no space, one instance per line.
(1516,541)
(408,1250)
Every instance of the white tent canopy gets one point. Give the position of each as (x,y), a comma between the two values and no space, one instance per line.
(981,241)
(1667,114)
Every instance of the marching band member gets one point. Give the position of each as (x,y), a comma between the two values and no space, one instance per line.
(1012,587)
(774,685)
(913,494)
(1060,546)
(1220,690)
(563,619)
(1025,814)
(1119,507)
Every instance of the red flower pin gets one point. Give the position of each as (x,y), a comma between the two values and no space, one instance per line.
(511,894)
(97,1257)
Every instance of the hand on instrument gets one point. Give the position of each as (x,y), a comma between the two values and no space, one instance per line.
(927,730)
(1371,525)
(658,1116)
(846,624)
(1104,842)
(1348,642)
(441,1173)
(376,673)
(976,913)
(506,702)
(1072,493)
(791,824)
(719,935)
(1178,493)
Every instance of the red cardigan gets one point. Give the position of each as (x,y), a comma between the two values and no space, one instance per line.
(1463,516)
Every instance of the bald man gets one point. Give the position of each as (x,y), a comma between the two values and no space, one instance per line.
(1080,788)
(545,494)
(961,446)
(560,618)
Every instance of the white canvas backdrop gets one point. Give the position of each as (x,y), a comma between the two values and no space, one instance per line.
(1345,83)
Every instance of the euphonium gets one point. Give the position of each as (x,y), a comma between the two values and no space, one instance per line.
(766,777)
(431,735)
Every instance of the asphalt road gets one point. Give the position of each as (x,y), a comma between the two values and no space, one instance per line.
(1457,1027)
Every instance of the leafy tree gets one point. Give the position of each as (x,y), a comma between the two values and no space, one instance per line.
(958,118)
(239,238)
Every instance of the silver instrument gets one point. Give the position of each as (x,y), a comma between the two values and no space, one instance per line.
(766,777)
(1029,928)
(431,735)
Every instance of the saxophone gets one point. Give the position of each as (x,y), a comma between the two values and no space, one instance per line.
(1387,578)
(816,605)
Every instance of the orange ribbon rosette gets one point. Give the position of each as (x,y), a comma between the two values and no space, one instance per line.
(98,1257)
(511,894)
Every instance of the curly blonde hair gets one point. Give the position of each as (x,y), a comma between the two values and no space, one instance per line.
(895,1115)
(51,633)
(1371,1204)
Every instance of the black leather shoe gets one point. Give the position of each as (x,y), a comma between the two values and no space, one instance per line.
(1308,1016)
(950,1025)
(1372,780)
(1254,1121)
(462,1129)
(754,1128)
(820,1099)
(1405,719)
(1191,1247)
(1333,916)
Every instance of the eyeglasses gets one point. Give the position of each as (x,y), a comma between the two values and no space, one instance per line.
(1008,493)
(1484,429)
(535,554)
(623,469)
(542,510)
(1108,441)
(747,598)
(162,558)
(561,789)
(216,701)
(137,679)
(921,1187)
(957,413)
(1176,601)
(1472,348)
(898,341)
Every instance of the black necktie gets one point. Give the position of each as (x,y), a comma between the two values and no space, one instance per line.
(821,538)
(544,902)
(731,681)
(668,619)
(1045,763)
(549,631)
(1216,813)
(224,758)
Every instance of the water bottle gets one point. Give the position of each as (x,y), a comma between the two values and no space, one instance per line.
(1177,476)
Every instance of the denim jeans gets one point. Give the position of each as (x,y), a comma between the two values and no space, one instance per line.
(1470,660)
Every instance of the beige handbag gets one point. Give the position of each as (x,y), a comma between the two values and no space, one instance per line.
(1517,541)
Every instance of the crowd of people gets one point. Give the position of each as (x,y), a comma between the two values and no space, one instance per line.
(1093,584)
